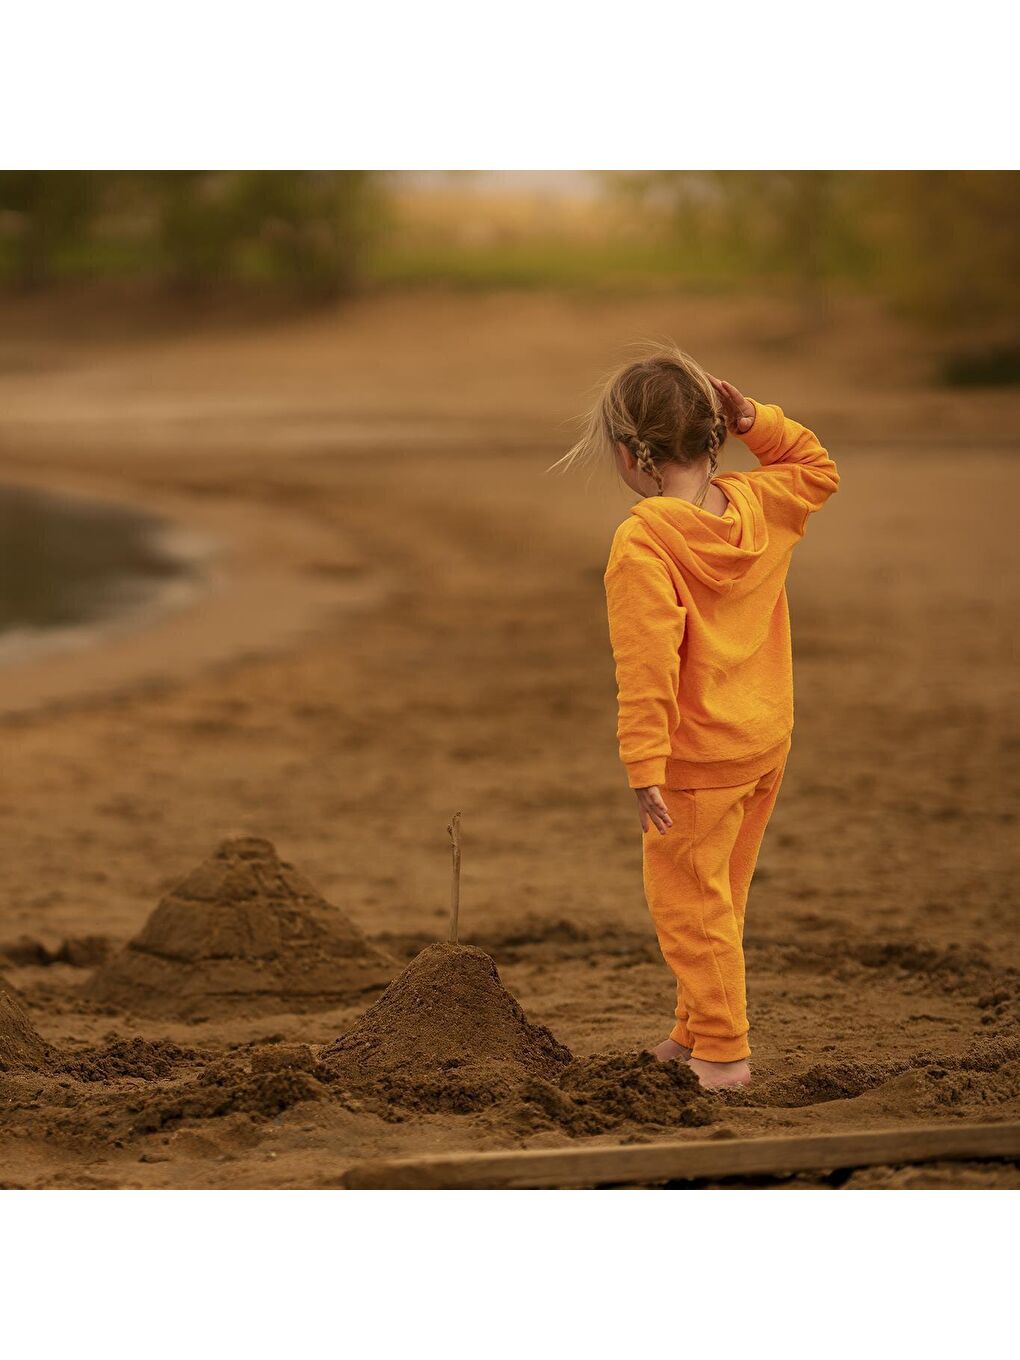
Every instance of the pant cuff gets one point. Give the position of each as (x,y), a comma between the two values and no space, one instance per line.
(720,1050)
(681,1035)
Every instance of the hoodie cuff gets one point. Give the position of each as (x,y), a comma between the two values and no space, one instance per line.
(642,774)
(768,422)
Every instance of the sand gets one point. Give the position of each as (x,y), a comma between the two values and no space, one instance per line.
(446,1037)
(21,1048)
(447,1008)
(243,934)
(472,672)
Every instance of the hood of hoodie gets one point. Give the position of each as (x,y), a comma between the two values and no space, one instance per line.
(716,550)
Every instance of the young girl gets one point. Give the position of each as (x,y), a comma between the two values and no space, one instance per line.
(700,631)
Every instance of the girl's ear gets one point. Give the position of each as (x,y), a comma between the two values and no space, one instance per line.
(626,457)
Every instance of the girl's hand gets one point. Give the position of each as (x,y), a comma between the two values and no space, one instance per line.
(651,809)
(737,410)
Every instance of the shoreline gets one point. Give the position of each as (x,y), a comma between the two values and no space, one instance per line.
(255,585)
(192,554)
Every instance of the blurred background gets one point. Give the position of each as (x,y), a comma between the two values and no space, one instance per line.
(280,553)
(939,246)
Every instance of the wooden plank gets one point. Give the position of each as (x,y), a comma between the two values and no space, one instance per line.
(707,1159)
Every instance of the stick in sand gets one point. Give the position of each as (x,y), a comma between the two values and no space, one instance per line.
(454,830)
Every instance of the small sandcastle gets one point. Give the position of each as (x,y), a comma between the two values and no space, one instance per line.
(447,1009)
(244,933)
(447,1013)
(21,1048)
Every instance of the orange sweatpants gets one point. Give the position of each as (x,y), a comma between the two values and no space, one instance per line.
(697,877)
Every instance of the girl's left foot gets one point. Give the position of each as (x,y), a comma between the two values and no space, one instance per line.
(670,1051)
(715,1076)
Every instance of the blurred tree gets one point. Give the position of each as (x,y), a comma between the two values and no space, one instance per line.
(52,210)
(197,224)
(312,224)
(941,245)
(946,244)
(305,230)
(755,225)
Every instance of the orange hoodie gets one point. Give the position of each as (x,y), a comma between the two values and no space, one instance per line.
(698,617)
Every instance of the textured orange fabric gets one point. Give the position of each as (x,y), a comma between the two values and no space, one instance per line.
(698,617)
(697,878)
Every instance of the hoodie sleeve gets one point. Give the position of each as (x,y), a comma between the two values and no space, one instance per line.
(646,627)
(793,452)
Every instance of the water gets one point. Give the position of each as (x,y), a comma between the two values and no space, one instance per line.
(68,564)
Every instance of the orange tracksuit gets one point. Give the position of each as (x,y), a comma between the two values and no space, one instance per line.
(700,631)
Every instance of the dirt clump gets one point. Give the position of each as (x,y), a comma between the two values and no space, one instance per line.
(988,1055)
(445,1036)
(25,952)
(149,1060)
(636,1088)
(460,1089)
(610,1092)
(21,1048)
(820,1083)
(220,1091)
(244,933)
(79,951)
(83,951)
(283,1057)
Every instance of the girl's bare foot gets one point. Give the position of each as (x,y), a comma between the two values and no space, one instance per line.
(714,1076)
(668,1051)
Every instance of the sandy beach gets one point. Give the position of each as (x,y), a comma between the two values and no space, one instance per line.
(403,617)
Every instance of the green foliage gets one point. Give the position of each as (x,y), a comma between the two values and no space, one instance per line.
(302,230)
(941,246)
(53,209)
(539,263)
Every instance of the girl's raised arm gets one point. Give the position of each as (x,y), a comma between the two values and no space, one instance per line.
(780,443)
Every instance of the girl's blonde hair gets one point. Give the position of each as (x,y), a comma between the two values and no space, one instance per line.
(663,408)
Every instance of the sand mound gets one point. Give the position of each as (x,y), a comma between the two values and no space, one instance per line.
(447,1012)
(608,1092)
(21,1048)
(244,933)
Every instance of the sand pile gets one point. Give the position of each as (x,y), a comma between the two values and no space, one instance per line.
(243,933)
(446,1034)
(605,1093)
(21,1048)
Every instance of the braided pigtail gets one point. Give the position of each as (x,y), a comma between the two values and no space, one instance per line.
(646,463)
(716,435)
